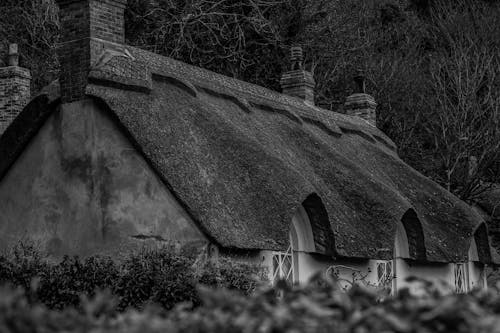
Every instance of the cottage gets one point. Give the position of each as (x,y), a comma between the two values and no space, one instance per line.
(131,147)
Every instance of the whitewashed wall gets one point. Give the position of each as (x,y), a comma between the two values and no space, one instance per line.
(442,274)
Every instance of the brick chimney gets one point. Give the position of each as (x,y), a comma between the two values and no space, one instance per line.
(85,24)
(14,88)
(298,82)
(360,103)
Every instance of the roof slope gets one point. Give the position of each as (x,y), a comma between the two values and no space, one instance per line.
(489,200)
(242,158)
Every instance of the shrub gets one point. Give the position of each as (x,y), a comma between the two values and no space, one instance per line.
(144,277)
(22,265)
(228,274)
(61,284)
(319,307)
(155,276)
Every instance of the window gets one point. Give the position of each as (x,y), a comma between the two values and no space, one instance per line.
(461,278)
(283,267)
(384,275)
(411,236)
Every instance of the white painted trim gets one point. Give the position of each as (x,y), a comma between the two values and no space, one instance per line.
(283,272)
(461,274)
(401,247)
(472,254)
(303,231)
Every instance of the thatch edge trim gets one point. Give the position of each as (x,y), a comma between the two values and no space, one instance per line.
(240,102)
(179,83)
(18,135)
(279,110)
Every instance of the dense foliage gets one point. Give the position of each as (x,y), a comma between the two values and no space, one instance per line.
(159,291)
(433,66)
(145,277)
(319,307)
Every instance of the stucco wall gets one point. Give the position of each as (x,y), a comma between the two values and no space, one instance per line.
(443,275)
(309,265)
(80,187)
(477,275)
(350,270)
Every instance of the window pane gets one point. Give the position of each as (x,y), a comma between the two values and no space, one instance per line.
(461,278)
(283,266)
(380,271)
(384,275)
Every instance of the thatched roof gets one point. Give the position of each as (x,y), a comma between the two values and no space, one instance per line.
(242,158)
(489,200)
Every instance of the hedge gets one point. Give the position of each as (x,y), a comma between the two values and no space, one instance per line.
(145,277)
(158,291)
(314,308)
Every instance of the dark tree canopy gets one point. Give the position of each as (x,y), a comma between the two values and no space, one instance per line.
(432,65)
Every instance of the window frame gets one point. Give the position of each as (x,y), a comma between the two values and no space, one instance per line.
(461,277)
(385,277)
(281,272)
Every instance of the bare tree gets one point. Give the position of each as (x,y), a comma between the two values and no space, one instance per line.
(434,72)
(33,24)
(227,36)
(463,102)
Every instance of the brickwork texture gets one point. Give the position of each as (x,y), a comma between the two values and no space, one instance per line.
(298,83)
(363,106)
(14,93)
(82,20)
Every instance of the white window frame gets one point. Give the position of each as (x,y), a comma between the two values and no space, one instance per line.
(461,277)
(282,272)
(385,274)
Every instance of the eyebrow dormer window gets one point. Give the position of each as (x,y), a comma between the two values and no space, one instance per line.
(285,264)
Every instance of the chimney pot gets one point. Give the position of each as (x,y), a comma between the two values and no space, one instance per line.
(297,82)
(296,57)
(13,58)
(360,81)
(361,104)
(15,91)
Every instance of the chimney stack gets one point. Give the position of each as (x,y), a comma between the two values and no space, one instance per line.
(360,103)
(15,89)
(85,26)
(298,82)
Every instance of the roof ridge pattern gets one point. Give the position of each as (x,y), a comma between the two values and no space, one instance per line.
(193,76)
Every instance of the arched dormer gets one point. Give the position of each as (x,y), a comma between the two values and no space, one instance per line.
(301,234)
(478,255)
(472,274)
(408,244)
(310,232)
(401,248)
(409,241)
(473,254)
(482,245)
(324,241)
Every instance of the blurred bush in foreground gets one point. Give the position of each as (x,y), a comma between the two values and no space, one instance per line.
(319,307)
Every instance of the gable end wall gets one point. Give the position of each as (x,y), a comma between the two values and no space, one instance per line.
(80,188)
